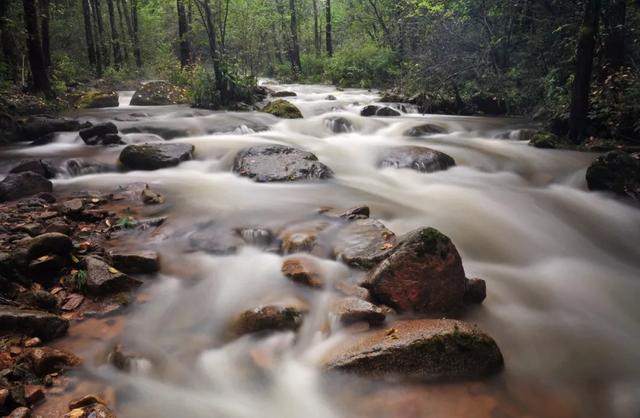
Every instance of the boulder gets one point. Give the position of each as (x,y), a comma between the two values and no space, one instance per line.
(331,97)
(301,237)
(103,279)
(9,129)
(426,129)
(34,323)
(44,168)
(339,124)
(548,140)
(78,167)
(27,183)
(99,130)
(303,270)
(616,172)
(47,244)
(155,156)
(351,310)
(422,274)
(283,94)
(475,291)
(283,109)
(279,163)
(363,243)
(37,126)
(98,99)
(136,262)
(47,360)
(421,159)
(426,350)
(159,93)
(387,111)
(369,110)
(267,318)
(161,130)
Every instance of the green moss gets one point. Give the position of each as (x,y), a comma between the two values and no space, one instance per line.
(547,140)
(283,109)
(98,99)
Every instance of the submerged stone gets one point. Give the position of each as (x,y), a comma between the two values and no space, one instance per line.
(279,163)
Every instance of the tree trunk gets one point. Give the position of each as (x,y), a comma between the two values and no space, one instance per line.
(9,49)
(316,29)
(329,29)
(123,43)
(213,46)
(183,34)
(584,67)
(134,27)
(614,43)
(295,46)
(34,49)
(88,35)
(127,21)
(43,5)
(115,41)
(97,14)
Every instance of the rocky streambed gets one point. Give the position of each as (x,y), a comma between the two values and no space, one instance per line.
(336,258)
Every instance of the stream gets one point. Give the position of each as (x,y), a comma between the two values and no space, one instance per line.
(562,267)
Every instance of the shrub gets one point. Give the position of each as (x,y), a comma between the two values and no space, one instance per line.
(365,67)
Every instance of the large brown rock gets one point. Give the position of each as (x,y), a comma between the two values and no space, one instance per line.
(616,172)
(159,93)
(155,156)
(430,349)
(46,360)
(303,270)
(49,243)
(350,310)
(34,323)
(136,262)
(363,243)
(19,185)
(102,279)
(422,274)
(285,317)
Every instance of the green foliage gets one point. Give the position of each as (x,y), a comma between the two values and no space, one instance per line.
(616,105)
(232,88)
(78,279)
(364,67)
(126,222)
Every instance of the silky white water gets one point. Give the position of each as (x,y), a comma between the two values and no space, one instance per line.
(562,264)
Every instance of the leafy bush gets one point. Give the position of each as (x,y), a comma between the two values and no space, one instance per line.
(232,88)
(616,105)
(365,67)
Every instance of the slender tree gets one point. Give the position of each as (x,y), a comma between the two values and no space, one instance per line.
(34,49)
(115,41)
(44,9)
(183,34)
(329,28)
(584,67)
(100,36)
(614,41)
(135,30)
(123,33)
(295,46)
(9,49)
(88,35)
(316,29)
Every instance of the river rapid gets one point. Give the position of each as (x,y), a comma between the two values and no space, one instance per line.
(562,267)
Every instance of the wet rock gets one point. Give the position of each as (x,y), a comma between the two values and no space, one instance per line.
(33,394)
(163,131)
(9,128)
(158,93)
(301,237)
(420,350)
(475,291)
(387,112)
(102,279)
(519,135)
(136,262)
(37,126)
(363,243)
(351,310)
(256,236)
(44,139)
(369,110)
(214,239)
(351,214)
(382,111)
(72,302)
(339,124)
(50,243)
(420,159)
(16,186)
(40,299)
(42,167)
(616,172)
(279,163)
(283,94)
(347,288)
(423,274)
(96,410)
(72,206)
(425,130)
(127,361)
(85,401)
(267,318)
(149,197)
(98,130)
(20,412)
(45,269)
(97,99)
(303,271)
(283,109)
(331,97)
(60,227)
(34,323)
(155,156)
(77,167)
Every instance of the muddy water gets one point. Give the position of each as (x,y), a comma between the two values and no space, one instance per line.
(562,268)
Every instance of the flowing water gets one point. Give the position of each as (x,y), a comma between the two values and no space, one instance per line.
(562,267)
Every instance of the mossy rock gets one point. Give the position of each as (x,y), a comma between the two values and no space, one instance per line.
(98,99)
(159,93)
(547,140)
(283,109)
